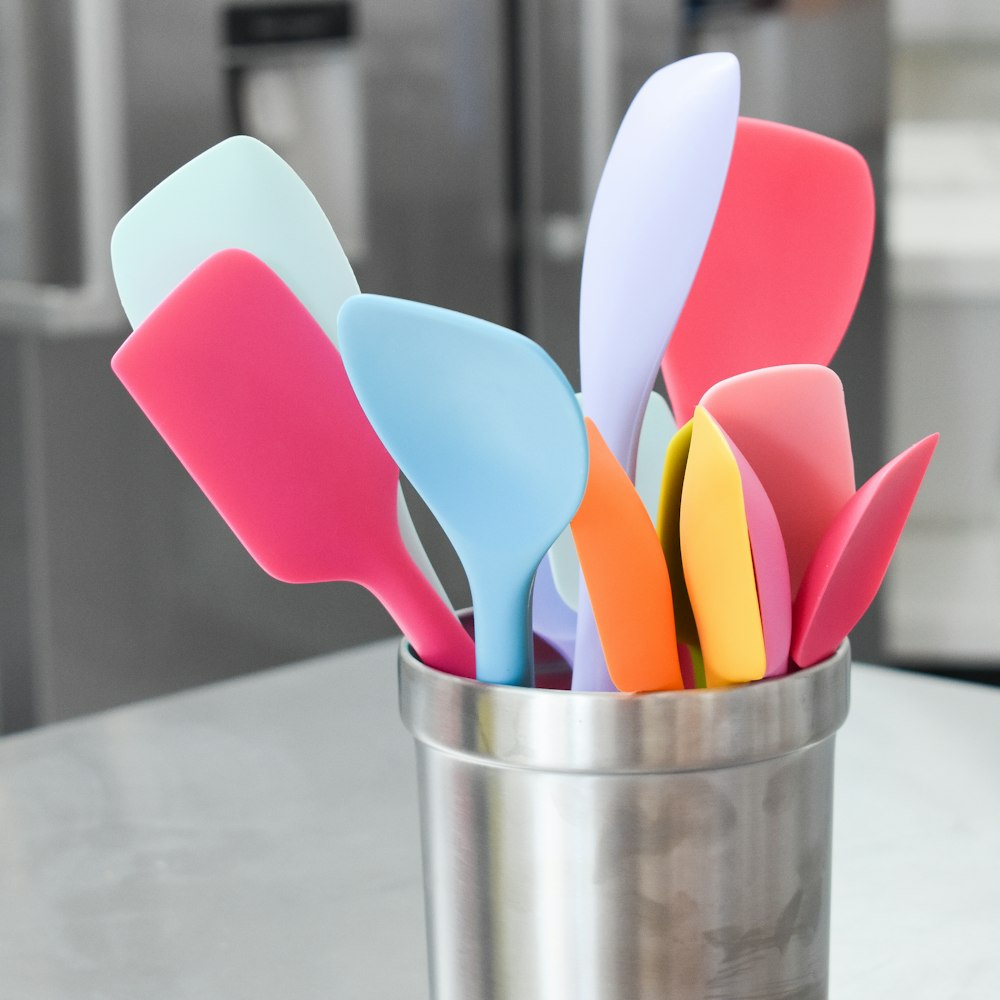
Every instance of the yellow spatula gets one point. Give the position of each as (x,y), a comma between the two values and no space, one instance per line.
(718,563)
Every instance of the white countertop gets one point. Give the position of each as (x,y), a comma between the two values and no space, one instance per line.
(258,839)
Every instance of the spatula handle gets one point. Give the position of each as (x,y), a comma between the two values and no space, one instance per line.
(503,628)
(590,668)
(431,627)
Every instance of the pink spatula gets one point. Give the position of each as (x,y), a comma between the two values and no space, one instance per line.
(853,556)
(790,424)
(252,397)
(784,263)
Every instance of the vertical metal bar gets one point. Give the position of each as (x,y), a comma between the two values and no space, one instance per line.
(518,91)
(100,94)
(600,56)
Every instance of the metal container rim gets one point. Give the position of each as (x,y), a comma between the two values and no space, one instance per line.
(614,733)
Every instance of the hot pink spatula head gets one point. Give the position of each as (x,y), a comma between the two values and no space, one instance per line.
(252,397)
(784,263)
(853,556)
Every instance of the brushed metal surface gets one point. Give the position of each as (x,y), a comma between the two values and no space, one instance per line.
(612,846)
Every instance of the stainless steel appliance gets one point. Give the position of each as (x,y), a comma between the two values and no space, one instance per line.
(455,145)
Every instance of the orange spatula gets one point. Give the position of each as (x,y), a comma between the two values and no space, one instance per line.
(626,577)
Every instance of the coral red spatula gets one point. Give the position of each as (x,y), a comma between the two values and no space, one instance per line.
(784,263)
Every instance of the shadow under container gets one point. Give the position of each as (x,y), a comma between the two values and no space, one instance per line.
(627,847)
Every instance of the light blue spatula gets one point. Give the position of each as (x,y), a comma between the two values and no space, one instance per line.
(487,429)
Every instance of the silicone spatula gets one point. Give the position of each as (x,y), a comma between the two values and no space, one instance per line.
(717,558)
(767,549)
(783,266)
(657,429)
(626,577)
(770,567)
(649,223)
(648,227)
(790,423)
(668,528)
(854,554)
(252,397)
(551,617)
(487,429)
(240,194)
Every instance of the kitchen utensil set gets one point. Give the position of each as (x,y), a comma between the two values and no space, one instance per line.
(729,251)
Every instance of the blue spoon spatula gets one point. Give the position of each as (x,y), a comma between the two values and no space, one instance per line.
(487,429)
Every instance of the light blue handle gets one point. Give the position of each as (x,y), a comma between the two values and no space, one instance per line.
(503,630)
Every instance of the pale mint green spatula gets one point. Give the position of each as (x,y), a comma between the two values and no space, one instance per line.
(237,194)
(485,426)
(240,194)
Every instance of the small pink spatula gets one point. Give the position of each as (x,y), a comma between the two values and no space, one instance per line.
(853,555)
(252,397)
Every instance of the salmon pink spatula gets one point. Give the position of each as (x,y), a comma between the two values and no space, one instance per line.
(252,397)
(485,426)
(790,423)
(853,556)
(784,263)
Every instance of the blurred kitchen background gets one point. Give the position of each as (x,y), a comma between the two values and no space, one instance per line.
(455,145)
